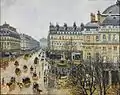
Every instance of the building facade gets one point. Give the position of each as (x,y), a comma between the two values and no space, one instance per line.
(43,43)
(64,37)
(28,43)
(9,40)
(100,36)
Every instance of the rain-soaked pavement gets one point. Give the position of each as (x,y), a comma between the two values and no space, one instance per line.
(10,72)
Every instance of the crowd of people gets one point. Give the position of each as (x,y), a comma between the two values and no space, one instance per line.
(26,81)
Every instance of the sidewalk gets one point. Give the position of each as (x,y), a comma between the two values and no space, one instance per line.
(58,92)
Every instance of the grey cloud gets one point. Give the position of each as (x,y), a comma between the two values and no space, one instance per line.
(7,3)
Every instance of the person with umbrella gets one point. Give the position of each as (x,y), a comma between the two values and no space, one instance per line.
(36,60)
(39,74)
(31,69)
(16,63)
(25,68)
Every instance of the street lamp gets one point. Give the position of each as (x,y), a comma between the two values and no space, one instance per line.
(35,68)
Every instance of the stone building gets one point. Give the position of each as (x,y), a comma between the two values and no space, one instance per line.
(100,36)
(9,40)
(28,43)
(64,37)
(43,43)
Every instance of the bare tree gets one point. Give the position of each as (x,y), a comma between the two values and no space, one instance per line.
(82,76)
(91,76)
(100,73)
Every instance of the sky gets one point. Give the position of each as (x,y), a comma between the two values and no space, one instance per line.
(32,17)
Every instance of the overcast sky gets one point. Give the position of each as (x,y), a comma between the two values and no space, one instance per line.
(32,17)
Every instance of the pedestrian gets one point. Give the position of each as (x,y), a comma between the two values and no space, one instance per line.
(3,81)
(31,68)
(39,74)
(44,80)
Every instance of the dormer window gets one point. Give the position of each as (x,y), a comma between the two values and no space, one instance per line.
(114,17)
(65,26)
(110,11)
(74,26)
(57,26)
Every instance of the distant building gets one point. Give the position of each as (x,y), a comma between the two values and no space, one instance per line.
(43,43)
(9,40)
(28,43)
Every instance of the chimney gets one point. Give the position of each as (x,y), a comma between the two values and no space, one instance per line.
(93,18)
(98,16)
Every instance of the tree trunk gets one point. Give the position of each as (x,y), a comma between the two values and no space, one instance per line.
(100,92)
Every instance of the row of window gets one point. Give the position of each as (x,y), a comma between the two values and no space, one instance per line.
(108,37)
(3,44)
(109,27)
(115,48)
(65,37)
(69,33)
(105,58)
(114,30)
(63,44)
(8,38)
(110,48)
(105,37)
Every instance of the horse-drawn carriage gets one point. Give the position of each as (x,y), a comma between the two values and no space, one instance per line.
(26,82)
(17,71)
